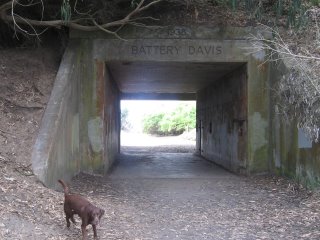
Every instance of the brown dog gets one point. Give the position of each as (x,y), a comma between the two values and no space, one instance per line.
(75,204)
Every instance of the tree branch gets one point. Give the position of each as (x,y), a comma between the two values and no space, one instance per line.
(77,24)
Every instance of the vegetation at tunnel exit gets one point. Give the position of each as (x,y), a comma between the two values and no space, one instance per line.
(175,122)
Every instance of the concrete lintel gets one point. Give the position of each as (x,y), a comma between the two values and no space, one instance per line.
(159,96)
(171,50)
(177,32)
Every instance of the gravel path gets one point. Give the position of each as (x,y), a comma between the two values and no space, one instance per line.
(157,195)
(163,195)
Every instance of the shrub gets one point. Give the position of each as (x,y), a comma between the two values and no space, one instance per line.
(175,122)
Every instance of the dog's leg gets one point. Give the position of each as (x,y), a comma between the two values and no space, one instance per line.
(68,222)
(84,232)
(68,217)
(95,231)
(69,214)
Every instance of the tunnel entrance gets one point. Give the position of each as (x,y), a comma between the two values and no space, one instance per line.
(220,90)
(209,66)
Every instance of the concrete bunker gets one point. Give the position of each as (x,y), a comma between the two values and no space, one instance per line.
(220,89)
(81,127)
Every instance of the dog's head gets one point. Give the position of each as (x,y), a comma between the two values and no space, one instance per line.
(95,215)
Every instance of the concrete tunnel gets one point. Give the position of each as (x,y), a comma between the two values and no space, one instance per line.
(81,127)
(219,89)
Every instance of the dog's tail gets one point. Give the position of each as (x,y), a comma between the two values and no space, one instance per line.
(65,187)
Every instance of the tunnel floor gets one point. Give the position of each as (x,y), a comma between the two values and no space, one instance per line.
(157,195)
(135,163)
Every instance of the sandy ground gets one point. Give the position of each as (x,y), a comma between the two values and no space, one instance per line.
(154,192)
(144,142)
(138,139)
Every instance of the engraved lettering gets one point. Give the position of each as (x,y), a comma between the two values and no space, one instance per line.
(205,50)
(169,49)
(177,32)
(149,49)
(134,50)
(200,51)
(163,50)
(208,49)
(156,49)
(142,51)
(176,50)
(218,50)
(191,50)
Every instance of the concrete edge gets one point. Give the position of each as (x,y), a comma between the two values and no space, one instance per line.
(48,128)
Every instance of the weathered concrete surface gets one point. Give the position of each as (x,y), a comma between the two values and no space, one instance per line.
(258,114)
(222,121)
(168,61)
(161,77)
(146,66)
(177,32)
(99,114)
(290,157)
(80,127)
(112,120)
(56,151)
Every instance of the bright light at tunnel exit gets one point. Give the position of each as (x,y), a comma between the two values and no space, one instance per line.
(137,109)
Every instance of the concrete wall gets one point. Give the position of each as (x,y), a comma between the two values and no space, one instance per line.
(56,151)
(233,42)
(80,130)
(258,114)
(222,121)
(80,127)
(292,154)
(100,122)
(112,120)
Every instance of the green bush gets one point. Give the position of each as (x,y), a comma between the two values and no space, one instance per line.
(315,2)
(151,123)
(175,122)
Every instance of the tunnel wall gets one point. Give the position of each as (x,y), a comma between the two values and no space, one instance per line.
(100,122)
(222,119)
(142,45)
(258,88)
(293,155)
(86,109)
(56,151)
(80,127)
(112,119)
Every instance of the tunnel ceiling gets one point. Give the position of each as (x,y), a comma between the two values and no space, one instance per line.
(167,77)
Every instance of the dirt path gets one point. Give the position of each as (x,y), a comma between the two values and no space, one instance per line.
(155,192)
(180,196)
(165,196)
